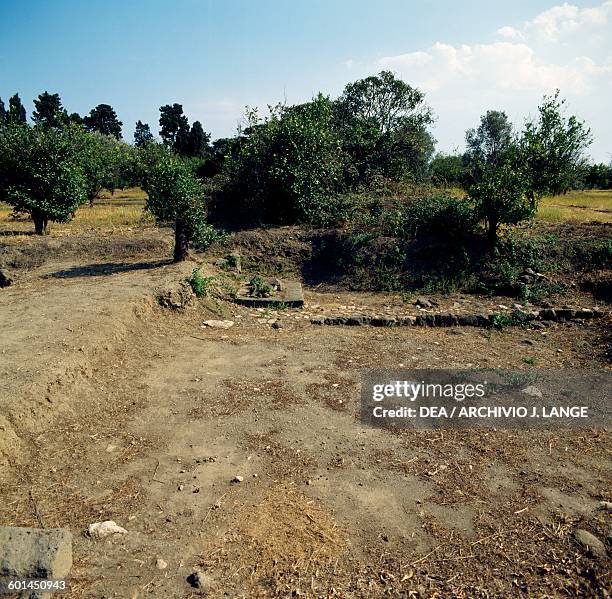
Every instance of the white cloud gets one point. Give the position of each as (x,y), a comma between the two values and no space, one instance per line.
(565,47)
(558,21)
(510,33)
(501,65)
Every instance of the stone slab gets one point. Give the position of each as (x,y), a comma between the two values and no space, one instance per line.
(290,296)
(35,552)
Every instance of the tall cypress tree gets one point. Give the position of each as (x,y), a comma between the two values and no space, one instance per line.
(198,141)
(103,119)
(16,113)
(142,134)
(3,113)
(49,110)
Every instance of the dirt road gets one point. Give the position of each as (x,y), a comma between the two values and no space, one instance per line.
(114,408)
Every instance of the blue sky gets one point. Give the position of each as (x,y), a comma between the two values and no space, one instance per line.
(215,56)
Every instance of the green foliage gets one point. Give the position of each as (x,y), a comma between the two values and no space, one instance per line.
(41,173)
(142,134)
(259,288)
(16,112)
(502,197)
(174,126)
(49,111)
(552,147)
(503,320)
(286,167)
(487,145)
(200,284)
(107,162)
(597,176)
(103,119)
(446,219)
(383,122)
(176,194)
(448,170)
(3,114)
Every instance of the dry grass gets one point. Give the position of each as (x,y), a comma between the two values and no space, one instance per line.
(577,206)
(124,208)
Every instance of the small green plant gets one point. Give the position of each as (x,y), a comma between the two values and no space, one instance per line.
(199,283)
(529,360)
(502,320)
(259,288)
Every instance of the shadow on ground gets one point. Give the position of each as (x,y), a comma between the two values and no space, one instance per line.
(105,269)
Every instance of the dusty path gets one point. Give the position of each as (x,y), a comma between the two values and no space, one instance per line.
(152,417)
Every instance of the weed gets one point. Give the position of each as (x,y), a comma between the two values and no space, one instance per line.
(529,360)
(199,283)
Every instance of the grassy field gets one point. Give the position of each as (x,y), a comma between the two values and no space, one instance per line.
(577,206)
(125,208)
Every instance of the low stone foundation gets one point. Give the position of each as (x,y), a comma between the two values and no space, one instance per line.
(447,319)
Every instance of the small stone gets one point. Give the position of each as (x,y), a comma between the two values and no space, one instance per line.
(161,564)
(590,543)
(423,302)
(277,324)
(5,279)
(199,580)
(605,505)
(237,479)
(101,530)
(532,391)
(529,342)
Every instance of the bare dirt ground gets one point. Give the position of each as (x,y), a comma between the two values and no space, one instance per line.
(113,408)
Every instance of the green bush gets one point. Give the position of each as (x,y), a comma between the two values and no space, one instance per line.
(199,283)
(287,168)
(440,217)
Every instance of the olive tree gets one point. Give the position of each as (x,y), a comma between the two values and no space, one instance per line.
(546,158)
(41,173)
(101,157)
(176,194)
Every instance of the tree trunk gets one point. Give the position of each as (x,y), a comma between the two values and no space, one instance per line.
(41,222)
(492,233)
(181,240)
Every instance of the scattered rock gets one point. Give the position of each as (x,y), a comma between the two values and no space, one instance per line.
(548,314)
(35,553)
(237,479)
(200,580)
(590,543)
(277,324)
(423,302)
(5,279)
(532,391)
(218,324)
(528,342)
(161,564)
(605,505)
(177,296)
(101,530)
(234,260)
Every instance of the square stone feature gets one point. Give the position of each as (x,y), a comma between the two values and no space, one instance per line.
(290,296)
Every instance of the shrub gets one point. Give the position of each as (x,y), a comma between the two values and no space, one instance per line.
(440,217)
(199,283)
(286,168)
